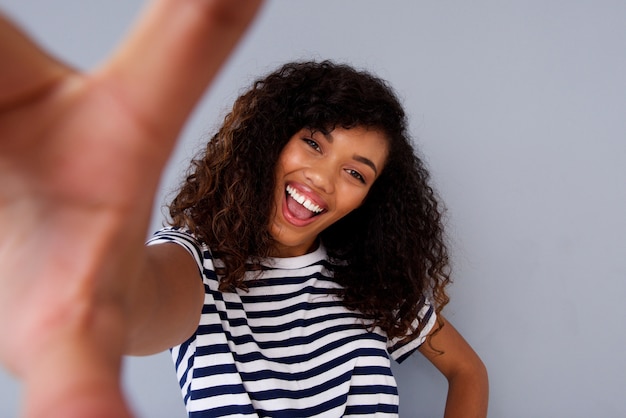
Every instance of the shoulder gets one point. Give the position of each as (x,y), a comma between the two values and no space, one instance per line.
(425,322)
(184,238)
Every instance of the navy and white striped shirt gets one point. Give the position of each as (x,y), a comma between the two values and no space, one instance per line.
(287,347)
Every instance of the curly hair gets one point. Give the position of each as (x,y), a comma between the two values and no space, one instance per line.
(388,254)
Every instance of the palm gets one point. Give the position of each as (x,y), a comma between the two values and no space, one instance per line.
(80,159)
(76,188)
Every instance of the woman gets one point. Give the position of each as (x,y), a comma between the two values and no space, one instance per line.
(80,156)
(320,247)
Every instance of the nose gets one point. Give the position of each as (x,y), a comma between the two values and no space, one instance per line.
(321,175)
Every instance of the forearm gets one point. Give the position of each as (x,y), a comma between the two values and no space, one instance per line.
(468,385)
(468,393)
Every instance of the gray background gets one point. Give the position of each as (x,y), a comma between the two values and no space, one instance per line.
(519,108)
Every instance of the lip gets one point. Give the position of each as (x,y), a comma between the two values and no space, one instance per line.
(305,191)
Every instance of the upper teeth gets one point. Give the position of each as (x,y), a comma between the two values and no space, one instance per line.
(307,203)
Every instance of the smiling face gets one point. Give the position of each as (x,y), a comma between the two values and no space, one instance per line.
(320,178)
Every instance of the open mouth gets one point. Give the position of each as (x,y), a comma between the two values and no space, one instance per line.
(300,206)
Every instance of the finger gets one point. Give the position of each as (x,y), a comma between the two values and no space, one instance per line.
(26,69)
(173,54)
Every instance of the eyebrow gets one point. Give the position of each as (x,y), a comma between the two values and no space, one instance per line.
(367,162)
(355,157)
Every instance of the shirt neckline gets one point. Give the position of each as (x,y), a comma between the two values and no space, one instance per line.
(297,261)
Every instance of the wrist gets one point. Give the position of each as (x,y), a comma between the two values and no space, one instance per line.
(74,371)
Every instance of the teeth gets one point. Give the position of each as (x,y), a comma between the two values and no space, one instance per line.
(303,200)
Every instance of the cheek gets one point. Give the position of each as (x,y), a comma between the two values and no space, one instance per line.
(284,164)
(351,199)
(289,152)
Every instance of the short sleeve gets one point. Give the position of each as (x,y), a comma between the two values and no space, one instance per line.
(399,348)
(181,237)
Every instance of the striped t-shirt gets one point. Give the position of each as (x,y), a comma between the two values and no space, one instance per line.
(286,347)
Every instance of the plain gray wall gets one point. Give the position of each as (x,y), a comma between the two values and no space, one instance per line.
(520,111)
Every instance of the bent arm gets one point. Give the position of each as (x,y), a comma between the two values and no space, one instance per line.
(80,162)
(468,386)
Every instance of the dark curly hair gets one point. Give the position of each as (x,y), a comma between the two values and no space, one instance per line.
(389,254)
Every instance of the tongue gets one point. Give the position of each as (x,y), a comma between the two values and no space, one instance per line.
(297,210)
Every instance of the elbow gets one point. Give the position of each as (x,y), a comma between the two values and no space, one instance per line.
(468,391)
(473,372)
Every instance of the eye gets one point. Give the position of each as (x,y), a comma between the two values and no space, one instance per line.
(356,175)
(310,142)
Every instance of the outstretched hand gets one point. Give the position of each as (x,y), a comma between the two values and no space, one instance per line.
(80,160)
